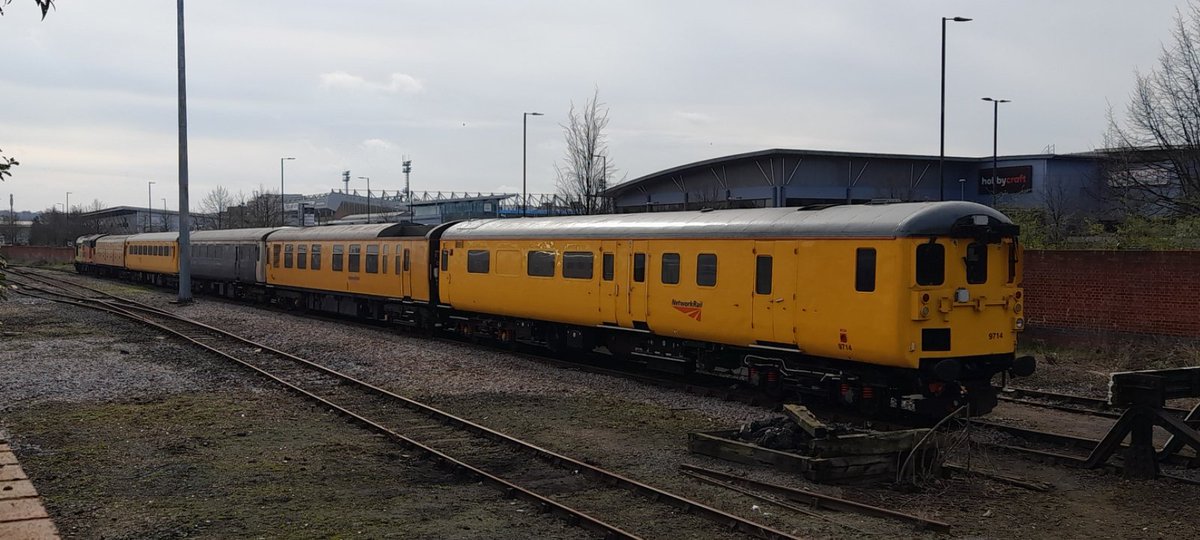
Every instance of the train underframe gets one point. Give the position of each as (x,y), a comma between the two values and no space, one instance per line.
(937,388)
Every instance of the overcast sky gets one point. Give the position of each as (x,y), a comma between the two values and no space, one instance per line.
(88,96)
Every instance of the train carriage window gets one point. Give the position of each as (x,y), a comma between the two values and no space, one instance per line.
(579,264)
(931,264)
(383,259)
(275,258)
(479,261)
(398,264)
(864,273)
(372,262)
(762,274)
(405,259)
(302,257)
(354,258)
(670,268)
(607,264)
(338,250)
(540,263)
(316,257)
(977,262)
(287,255)
(706,270)
(639,267)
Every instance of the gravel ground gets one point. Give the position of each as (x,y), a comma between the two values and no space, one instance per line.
(640,431)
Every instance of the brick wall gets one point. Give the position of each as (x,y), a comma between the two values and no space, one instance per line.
(1135,292)
(37,254)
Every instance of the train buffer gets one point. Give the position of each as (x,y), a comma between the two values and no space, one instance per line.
(1144,394)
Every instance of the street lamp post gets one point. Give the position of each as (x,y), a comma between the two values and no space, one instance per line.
(524,160)
(995,123)
(368,179)
(149,205)
(281,214)
(942,143)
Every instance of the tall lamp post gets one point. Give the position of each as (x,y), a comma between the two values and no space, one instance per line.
(281,214)
(368,179)
(524,160)
(995,122)
(149,205)
(942,143)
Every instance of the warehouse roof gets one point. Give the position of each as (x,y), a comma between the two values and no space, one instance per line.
(863,220)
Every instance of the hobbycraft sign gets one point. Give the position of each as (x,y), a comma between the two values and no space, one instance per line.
(1008,180)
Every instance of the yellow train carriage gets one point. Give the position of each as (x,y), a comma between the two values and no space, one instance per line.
(153,253)
(905,286)
(110,251)
(384,260)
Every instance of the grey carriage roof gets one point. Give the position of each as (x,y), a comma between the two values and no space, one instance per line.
(112,239)
(863,220)
(232,235)
(154,237)
(348,232)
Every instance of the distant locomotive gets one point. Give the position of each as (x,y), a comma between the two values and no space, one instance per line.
(912,305)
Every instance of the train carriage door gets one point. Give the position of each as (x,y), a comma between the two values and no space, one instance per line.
(774,291)
(638,283)
(763,292)
(404,266)
(610,288)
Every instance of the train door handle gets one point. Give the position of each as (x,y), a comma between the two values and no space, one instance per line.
(777,300)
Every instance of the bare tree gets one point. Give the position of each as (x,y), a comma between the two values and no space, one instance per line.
(215,206)
(260,209)
(45,6)
(1156,151)
(582,175)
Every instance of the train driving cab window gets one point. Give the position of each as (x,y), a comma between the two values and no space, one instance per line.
(706,270)
(479,261)
(639,267)
(540,263)
(578,264)
(977,262)
(302,256)
(864,270)
(931,264)
(316,257)
(670,268)
(278,250)
(372,266)
(762,274)
(607,264)
(287,255)
(337,257)
(354,258)
(445,260)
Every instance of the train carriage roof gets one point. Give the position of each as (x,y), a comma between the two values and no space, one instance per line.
(847,221)
(154,237)
(232,235)
(112,239)
(88,238)
(348,232)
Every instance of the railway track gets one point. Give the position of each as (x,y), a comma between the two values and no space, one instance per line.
(1067,402)
(586,495)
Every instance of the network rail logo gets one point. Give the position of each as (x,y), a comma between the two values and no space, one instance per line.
(691,308)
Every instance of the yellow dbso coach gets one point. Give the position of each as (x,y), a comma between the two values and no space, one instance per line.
(909,304)
(913,305)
